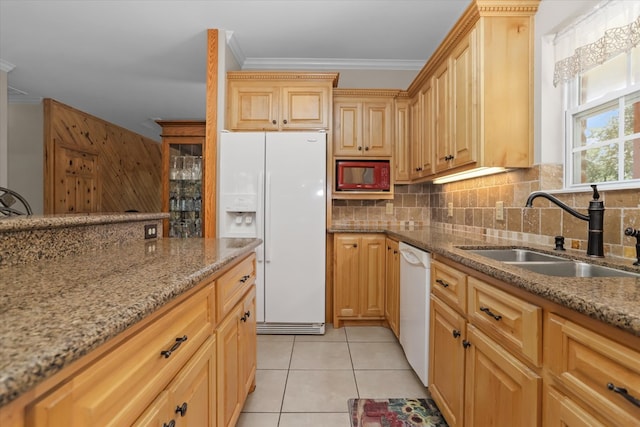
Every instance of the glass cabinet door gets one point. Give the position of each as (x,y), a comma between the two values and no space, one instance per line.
(185,190)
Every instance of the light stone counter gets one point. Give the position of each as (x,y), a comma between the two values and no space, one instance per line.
(612,300)
(52,312)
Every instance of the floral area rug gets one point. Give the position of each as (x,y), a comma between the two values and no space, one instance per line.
(395,413)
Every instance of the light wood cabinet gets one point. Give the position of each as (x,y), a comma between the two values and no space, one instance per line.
(422,132)
(279,101)
(562,411)
(359,277)
(174,367)
(363,123)
(481,350)
(402,147)
(602,374)
(499,389)
(392,287)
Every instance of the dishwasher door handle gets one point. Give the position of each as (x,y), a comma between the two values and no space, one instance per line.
(411,258)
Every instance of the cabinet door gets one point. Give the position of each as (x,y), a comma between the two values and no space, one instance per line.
(392,287)
(252,106)
(561,411)
(415,135)
(248,344)
(427,117)
(347,128)
(192,393)
(304,107)
(402,151)
(346,275)
(228,369)
(441,129)
(500,391)
(446,361)
(158,414)
(464,126)
(372,276)
(377,127)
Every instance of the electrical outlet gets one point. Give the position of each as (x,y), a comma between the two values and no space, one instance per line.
(150,231)
(389,209)
(500,211)
(450,209)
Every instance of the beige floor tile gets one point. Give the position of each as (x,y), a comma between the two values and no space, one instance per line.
(319,391)
(315,419)
(274,354)
(376,384)
(286,338)
(256,419)
(370,334)
(330,334)
(378,355)
(321,355)
(269,391)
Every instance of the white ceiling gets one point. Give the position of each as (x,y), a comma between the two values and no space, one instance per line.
(129,62)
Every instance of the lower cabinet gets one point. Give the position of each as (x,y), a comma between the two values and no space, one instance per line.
(392,287)
(236,359)
(478,377)
(179,369)
(359,277)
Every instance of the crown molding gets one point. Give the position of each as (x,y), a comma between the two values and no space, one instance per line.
(330,64)
(6,66)
(235,48)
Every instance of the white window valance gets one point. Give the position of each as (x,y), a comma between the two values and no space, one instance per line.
(612,28)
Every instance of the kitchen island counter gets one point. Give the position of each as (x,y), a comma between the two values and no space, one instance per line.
(55,311)
(611,300)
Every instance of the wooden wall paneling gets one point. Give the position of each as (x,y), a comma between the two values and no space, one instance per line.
(129,169)
(211,138)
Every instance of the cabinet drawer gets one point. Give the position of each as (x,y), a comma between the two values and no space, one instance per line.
(517,323)
(116,388)
(562,411)
(232,285)
(449,284)
(590,365)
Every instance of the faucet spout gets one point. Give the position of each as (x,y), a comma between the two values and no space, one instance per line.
(595,218)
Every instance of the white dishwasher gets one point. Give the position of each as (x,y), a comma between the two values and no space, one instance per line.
(415,265)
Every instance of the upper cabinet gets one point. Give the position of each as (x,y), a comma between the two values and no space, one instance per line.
(476,93)
(275,101)
(363,122)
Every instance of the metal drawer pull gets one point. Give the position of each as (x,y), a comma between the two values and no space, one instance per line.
(174,347)
(247,314)
(624,393)
(182,409)
(466,344)
(456,333)
(245,278)
(171,423)
(489,313)
(442,282)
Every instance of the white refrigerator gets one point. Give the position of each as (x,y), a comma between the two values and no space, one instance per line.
(272,185)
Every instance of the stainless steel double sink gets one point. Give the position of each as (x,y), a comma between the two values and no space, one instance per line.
(549,264)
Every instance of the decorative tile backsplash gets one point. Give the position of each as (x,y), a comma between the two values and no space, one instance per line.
(474,208)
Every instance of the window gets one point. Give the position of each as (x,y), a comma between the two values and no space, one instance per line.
(602,97)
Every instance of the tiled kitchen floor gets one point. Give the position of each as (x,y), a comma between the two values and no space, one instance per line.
(306,380)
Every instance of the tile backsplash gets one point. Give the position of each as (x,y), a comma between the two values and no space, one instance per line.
(474,208)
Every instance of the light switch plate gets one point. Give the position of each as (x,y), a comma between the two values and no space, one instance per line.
(500,211)
(450,209)
(389,209)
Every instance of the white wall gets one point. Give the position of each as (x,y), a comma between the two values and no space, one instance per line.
(26,151)
(376,79)
(552,16)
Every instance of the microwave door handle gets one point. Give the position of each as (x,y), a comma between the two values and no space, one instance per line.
(260,217)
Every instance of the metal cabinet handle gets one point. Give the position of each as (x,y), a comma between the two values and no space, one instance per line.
(490,314)
(182,409)
(174,347)
(466,344)
(442,282)
(624,393)
(366,148)
(247,314)
(171,423)
(285,121)
(395,252)
(274,122)
(456,333)
(355,245)
(359,148)
(245,278)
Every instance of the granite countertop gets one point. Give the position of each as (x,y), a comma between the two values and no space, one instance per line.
(54,312)
(612,300)
(36,222)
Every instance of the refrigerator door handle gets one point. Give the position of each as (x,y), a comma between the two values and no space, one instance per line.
(267,220)
(260,217)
